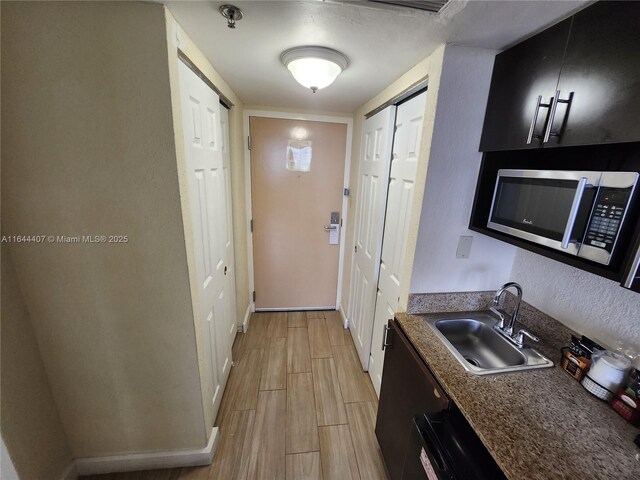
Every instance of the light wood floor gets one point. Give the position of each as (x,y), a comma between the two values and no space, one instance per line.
(297,406)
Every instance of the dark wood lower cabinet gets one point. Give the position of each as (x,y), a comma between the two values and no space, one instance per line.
(408,389)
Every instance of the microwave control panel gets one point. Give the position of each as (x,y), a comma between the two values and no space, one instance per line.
(606,219)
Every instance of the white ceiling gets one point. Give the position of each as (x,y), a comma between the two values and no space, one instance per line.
(381,43)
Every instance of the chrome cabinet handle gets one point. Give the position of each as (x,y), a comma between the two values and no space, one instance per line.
(385,331)
(328,228)
(534,120)
(554,105)
(547,132)
(573,213)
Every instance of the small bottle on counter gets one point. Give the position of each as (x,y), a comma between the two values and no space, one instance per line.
(627,399)
(576,358)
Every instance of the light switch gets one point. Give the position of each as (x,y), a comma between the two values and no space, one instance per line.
(464,247)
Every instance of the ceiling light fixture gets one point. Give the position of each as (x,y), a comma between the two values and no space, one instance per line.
(314,67)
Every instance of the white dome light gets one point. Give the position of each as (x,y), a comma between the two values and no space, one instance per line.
(314,67)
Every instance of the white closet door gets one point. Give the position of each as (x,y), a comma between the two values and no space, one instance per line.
(372,196)
(207,195)
(404,164)
(232,319)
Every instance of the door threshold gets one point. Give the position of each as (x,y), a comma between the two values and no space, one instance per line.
(295,309)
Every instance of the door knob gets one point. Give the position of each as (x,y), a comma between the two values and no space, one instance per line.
(328,228)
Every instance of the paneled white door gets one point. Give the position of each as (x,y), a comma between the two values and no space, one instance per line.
(231,318)
(372,197)
(208,199)
(404,164)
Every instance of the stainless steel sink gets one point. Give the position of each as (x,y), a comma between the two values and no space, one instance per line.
(481,350)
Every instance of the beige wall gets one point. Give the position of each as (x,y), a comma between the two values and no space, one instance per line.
(430,69)
(178,38)
(29,420)
(88,149)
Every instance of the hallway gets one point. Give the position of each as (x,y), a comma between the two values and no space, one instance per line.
(297,406)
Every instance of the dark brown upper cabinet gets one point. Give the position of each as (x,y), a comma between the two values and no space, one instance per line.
(600,77)
(523,83)
(576,83)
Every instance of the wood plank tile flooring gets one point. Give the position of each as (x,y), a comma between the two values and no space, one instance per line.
(297,406)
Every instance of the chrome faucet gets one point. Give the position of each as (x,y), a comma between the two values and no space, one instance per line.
(507,331)
(496,303)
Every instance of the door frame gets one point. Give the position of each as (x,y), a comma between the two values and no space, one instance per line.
(348,121)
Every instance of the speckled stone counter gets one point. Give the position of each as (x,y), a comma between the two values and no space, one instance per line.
(538,424)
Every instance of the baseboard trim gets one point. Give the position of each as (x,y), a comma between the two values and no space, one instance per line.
(70,473)
(149,461)
(297,309)
(345,320)
(245,322)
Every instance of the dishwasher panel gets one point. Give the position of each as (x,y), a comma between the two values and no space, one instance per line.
(443,446)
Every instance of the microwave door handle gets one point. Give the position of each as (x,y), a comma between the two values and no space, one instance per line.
(577,199)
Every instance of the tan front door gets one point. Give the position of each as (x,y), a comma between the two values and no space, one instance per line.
(297,172)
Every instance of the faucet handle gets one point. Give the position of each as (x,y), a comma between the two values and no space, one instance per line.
(501,317)
(519,338)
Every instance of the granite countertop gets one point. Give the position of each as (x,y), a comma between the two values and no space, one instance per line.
(539,424)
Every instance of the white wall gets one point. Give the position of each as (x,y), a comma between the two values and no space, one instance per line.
(7,470)
(454,163)
(591,305)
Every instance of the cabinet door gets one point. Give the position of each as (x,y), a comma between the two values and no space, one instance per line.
(602,69)
(408,389)
(520,75)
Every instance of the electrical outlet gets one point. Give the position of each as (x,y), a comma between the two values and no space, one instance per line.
(464,247)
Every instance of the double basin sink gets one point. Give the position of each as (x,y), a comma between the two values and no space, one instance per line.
(479,348)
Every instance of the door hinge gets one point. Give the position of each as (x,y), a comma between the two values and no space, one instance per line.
(355,248)
(249,142)
(254,295)
(251,225)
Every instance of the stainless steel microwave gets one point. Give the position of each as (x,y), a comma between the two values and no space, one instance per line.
(579,213)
